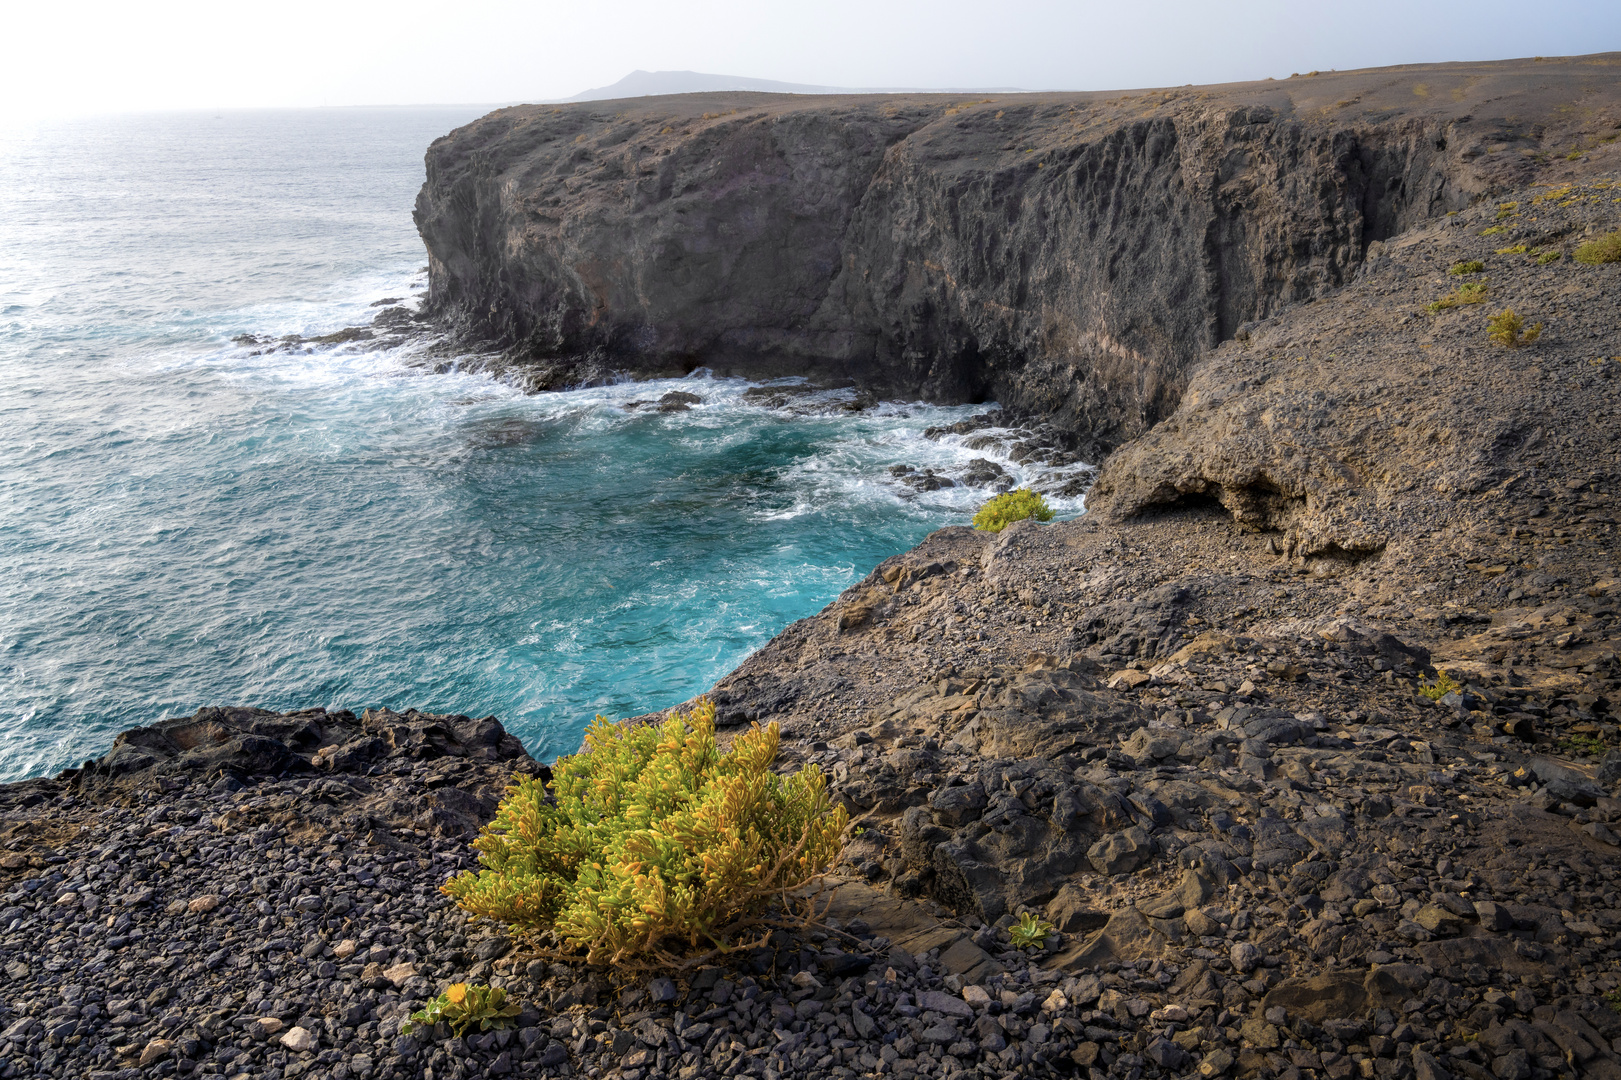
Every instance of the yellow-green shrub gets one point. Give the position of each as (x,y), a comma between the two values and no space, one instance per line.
(1505,329)
(1443,685)
(1606,249)
(1010,506)
(1468,266)
(654,839)
(1470,292)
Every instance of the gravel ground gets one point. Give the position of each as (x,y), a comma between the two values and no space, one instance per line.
(242,925)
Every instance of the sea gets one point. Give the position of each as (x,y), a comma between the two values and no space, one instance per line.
(188,520)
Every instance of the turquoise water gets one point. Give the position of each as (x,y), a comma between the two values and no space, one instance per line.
(184,523)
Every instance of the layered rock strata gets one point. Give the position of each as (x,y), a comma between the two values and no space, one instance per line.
(1069,255)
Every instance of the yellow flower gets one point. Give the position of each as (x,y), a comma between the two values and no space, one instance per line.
(456,994)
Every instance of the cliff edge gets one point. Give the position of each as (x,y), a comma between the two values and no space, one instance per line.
(1303,740)
(1069,255)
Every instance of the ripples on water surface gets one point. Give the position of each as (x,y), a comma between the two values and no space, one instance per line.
(183,523)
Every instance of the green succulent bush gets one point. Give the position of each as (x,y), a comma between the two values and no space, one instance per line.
(1470,292)
(654,839)
(1606,249)
(1029,932)
(1010,506)
(464,1008)
(1470,266)
(1582,743)
(1509,330)
(1443,685)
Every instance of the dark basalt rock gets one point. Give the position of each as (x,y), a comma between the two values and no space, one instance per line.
(232,748)
(678,401)
(1069,255)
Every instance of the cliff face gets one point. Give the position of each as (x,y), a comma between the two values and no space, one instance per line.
(1070,255)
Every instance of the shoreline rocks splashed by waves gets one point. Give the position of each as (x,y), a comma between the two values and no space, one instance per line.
(185,508)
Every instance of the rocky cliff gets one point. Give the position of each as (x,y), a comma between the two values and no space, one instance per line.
(1303,740)
(1069,255)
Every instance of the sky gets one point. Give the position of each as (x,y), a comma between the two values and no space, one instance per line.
(89,56)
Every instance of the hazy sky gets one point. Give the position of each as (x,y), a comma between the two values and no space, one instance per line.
(75,57)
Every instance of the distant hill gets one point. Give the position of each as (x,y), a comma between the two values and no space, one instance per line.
(646,83)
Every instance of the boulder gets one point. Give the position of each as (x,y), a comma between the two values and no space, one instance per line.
(1565,783)
(945,1004)
(1321,997)
(1439,921)
(1148,744)
(1073,912)
(1121,852)
(1129,679)
(958,805)
(1125,937)
(1189,893)
(678,401)
(1388,985)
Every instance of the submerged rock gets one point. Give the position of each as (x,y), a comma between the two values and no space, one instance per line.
(678,401)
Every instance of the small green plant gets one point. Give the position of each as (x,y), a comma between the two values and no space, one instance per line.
(654,839)
(1517,249)
(466,1008)
(1010,506)
(1468,266)
(1507,209)
(1546,257)
(1470,292)
(1574,155)
(1509,330)
(1613,1000)
(1606,249)
(1494,230)
(1029,932)
(1443,685)
(1591,745)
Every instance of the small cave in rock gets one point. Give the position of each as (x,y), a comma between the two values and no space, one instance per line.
(1194,503)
